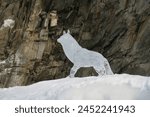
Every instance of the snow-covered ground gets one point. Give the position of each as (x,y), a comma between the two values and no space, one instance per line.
(109,87)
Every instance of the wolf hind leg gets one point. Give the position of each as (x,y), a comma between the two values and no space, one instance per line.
(108,68)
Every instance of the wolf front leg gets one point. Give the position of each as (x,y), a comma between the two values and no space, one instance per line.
(73,71)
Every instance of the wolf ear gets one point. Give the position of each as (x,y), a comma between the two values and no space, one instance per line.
(64,32)
(68,31)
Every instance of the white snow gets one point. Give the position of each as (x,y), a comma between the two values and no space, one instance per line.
(81,57)
(8,23)
(2,62)
(108,87)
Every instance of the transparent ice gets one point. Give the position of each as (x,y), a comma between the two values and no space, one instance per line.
(82,57)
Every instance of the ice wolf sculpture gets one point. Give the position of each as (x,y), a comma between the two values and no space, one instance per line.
(82,57)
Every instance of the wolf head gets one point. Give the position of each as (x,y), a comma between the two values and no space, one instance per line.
(64,37)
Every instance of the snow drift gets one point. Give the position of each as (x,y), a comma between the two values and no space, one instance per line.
(110,87)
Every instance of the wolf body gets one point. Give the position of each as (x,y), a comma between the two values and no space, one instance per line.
(82,57)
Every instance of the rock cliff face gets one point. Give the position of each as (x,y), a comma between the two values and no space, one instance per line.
(119,29)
